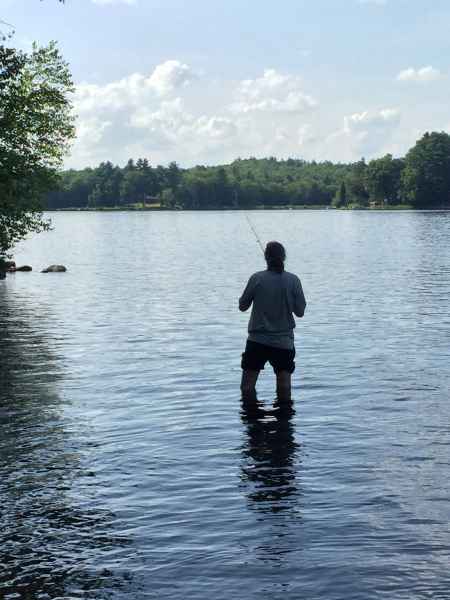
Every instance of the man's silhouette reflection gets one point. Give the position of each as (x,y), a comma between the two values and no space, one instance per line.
(270,455)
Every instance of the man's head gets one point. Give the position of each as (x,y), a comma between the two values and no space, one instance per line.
(275,255)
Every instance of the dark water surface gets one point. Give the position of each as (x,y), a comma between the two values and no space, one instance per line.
(128,468)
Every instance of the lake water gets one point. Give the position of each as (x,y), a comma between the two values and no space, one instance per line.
(128,468)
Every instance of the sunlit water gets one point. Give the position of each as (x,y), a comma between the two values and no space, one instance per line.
(128,469)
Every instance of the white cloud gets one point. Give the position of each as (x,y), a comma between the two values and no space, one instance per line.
(216,128)
(361,121)
(367,133)
(423,75)
(169,76)
(158,115)
(90,133)
(273,92)
(115,118)
(305,135)
(146,115)
(295,137)
(168,115)
(134,90)
(173,124)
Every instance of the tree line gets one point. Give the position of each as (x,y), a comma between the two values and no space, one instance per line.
(421,179)
(36,127)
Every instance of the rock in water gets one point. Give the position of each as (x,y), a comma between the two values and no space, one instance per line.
(55,269)
(24,268)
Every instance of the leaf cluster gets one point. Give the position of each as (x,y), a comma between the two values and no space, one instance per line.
(36,126)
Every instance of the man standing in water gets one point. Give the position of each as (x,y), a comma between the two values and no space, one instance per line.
(276,295)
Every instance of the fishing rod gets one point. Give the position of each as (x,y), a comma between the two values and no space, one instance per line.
(254,232)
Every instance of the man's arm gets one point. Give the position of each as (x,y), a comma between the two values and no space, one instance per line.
(299,299)
(247,297)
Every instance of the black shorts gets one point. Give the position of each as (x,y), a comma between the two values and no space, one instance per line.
(256,355)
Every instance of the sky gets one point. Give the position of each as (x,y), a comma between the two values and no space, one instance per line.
(208,81)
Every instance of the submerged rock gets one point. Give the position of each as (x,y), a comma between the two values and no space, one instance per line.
(24,268)
(55,269)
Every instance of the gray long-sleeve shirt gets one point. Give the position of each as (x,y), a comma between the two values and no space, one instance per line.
(275,297)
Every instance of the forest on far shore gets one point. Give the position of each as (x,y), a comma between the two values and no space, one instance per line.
(420,180)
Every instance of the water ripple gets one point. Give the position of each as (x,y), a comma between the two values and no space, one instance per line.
(130,469)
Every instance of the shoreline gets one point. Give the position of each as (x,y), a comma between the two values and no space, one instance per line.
(399,208)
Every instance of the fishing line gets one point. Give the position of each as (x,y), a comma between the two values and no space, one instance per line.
(254,232)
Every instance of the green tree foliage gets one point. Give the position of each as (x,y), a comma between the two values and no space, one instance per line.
(36,126)
(172,177)
(73,189)
(106,184)
(355,184)
(340,198)
(267,182)
(241,184)
(383,179)
(426,177)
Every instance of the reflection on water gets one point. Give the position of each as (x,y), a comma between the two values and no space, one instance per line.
(51,536)
(123,451)
(270,472)
(270,456)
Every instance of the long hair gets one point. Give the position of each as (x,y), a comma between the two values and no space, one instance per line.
(275,255)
